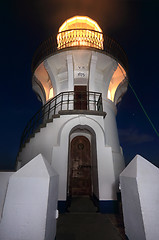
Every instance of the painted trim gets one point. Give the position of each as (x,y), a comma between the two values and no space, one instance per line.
(106,206)
(62,206)
(95,201)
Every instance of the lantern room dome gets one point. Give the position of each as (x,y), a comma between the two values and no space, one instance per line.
(80,22)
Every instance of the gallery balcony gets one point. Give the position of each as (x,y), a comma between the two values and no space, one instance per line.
(78,39)
(65,103)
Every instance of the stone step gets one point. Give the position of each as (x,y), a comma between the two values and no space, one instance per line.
(82,204)
(85,226)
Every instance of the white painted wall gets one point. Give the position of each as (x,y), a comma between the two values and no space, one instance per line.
(110,126)
(118,165)
(53,142)
(96,69)
(4,180)
(106,175)
(68,67)
(30,207)
(140,198)
(61,152)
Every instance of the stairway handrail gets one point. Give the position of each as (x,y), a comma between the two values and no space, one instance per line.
(51,107)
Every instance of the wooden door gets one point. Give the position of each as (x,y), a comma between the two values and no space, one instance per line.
(80,97)
(80,167)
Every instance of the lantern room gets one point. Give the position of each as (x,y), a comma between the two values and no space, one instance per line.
(80,31)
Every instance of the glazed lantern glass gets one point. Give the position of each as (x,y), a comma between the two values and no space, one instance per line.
(80,31)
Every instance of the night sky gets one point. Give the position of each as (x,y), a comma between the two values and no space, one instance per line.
(134,24)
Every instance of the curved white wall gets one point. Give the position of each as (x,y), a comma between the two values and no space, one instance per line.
(94,69)
(53,143)
(88,67)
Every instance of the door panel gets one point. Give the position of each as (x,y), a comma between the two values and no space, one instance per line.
(80,167)
(80,97)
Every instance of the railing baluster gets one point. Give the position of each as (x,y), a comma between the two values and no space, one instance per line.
(55,105)
(101,105)
(61,100)
(49,111)
(68,99)
(94,101)
(88,100)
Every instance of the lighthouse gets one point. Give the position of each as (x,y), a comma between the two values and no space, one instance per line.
(79,75)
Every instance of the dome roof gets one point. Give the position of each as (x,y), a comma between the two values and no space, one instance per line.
(80,22)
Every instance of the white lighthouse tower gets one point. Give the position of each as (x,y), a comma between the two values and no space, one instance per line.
(79,76)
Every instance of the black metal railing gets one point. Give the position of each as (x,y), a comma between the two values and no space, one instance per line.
(65,101)
(88,38)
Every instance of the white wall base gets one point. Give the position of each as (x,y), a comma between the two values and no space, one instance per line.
(140,198)
(4,179)
(30,207)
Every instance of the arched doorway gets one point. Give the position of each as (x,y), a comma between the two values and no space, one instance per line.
(80,167)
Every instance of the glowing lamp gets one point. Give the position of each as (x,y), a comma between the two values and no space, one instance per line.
(80,31)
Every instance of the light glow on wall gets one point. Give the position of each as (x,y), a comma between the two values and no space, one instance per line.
(80,31)
(118,76)
(51,93)
(109,95)
(42,75)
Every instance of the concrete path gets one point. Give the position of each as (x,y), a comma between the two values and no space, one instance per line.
(84,223)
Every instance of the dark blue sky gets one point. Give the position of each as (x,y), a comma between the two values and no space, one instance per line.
(134,24)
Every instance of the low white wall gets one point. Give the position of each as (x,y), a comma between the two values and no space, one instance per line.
(4,179)
(30,207)
(140,199)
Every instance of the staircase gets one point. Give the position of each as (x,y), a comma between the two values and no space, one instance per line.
(83,222)
(82,204)
(61,104)
(39,133)
(42,125)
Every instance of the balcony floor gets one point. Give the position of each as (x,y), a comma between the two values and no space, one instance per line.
(86,112)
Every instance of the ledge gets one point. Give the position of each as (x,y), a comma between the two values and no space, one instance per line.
(49,48)
(86,112)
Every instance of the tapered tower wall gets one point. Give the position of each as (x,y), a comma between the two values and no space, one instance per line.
(80,64)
